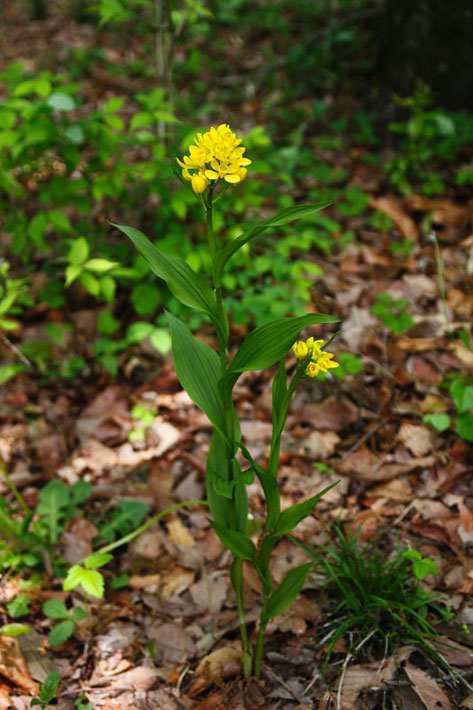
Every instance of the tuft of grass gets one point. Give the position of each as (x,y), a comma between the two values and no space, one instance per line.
(377,601)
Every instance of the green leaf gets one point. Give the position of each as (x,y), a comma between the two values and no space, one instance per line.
(55,609)
(61,101)
(237,542)
(217,461)
(270,342)
(198,370)
(98,559)
(78,614)
(92,582)
(61,632)
(79,251)
(288,215)
(73,578)
(73,271)
(15,629)
(100,266)
(440,421)
(188,286)
(266,345)
(287,592)
(49,686)
(462,395)
(292,516)
(129,515)
(464,426)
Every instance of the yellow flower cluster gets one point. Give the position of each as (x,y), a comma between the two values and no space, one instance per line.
(320,360)
(216,155)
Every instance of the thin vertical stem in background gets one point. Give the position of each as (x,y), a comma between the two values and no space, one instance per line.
(163,58)
(439,266)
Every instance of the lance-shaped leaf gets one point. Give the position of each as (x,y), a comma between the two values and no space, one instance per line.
(266,345)
(237,542)
(292,516)
(288,215)
(217,465)
(198,370)
(188,286)
(286,593)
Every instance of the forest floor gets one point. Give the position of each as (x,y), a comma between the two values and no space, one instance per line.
(169,639)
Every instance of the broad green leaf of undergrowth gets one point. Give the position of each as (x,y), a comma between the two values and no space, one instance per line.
(48,689)
(188,286)
(198,370)
(287,592)
(127,517)
(292,516)
(55,609)
(288,215)
(236,542)
(61,632)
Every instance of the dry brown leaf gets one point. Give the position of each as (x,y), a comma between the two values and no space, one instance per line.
(77,540)
(427,689)
(215,667)
(320,445)
(176,580)
(467,702)
(140,678)
(419,345)
(394,209)
(396,489)
(13,666)
(368,466)
(454,653)
(209,593)
(417,439)
(357,679)
(462,353)
(333,413)
(172,643)
(178,532)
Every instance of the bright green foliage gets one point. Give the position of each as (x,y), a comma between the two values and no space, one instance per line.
(429,134)
(421,566)
(48,689)
(18,607)
(144,417)
(82,575)
(24,535)
(393,313)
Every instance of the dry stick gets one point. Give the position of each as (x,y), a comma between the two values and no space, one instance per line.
(363,438)
(11,346)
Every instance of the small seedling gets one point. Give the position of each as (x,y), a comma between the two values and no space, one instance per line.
(421,566)
(83,575)
(144,418)
(393,313)
(48,689)
(56,609)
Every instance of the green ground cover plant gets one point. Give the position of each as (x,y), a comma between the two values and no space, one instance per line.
(378,604)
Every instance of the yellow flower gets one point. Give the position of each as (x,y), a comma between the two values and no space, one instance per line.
(216,155)
(300,349)
(321,363)
(314,347)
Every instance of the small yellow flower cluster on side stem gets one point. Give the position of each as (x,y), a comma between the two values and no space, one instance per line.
(320,360)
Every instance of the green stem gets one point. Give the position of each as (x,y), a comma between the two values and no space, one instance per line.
(236,576)
(236,572)
(131,536)
(260,640)
(273,462)
(13,488)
